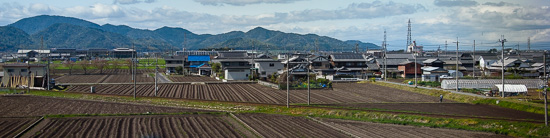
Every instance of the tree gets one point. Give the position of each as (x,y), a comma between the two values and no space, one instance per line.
(179,70)
(84,64)
(216,67)
(128,63)
(69,64)
(52,67)
(115,65)
(99,64)
(493,50)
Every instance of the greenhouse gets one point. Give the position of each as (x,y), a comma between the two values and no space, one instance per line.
(489,83)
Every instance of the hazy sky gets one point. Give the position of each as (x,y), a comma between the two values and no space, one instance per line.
(433,21)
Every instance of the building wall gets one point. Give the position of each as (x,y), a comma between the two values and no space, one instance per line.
(264,68)
(236,74)
(16,71)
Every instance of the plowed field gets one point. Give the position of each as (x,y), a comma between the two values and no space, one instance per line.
(288,126)
(191,79)
(19,106)
(138,126)
(9,127)
(376,130)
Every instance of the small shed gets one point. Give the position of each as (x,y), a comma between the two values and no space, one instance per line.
(511,89)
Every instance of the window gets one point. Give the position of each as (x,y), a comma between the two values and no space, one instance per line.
(317,64)
(23,70)
(10,70)
(263,73)
(360,64)
(271,65)
(348,64)
(241,63)
(226,64)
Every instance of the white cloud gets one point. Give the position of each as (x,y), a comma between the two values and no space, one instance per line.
(455,3)
(132,1)
(241,2)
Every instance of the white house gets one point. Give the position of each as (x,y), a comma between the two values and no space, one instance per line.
(433,73)
(267,67)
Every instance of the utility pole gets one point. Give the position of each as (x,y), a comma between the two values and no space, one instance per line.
(287,78)
(445,47)
(385,57)
(415,67)
(308,89)
(133,70)
(518,51)
(545,91)
(502,61)
(48,67)
(456,71)
(474,57)
(356,47)
(156,74)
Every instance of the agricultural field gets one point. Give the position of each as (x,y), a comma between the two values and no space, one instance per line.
(462,109)
(288,126)
(29,106)
(377,130)
(9,127)
(199,125)
(103,78)
(191,79)
(236,92)
(104,72)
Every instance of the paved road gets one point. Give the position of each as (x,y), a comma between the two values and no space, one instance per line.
(463,93)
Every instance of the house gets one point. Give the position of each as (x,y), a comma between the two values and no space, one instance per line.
(235,69)
(15,74)
(485,61)
(33,54)
(204,69)
(174,61)
(413,48)
(433,73)
(196,61)
(433,62)
(266,67)
(391,66)
(408,69)
(349,64)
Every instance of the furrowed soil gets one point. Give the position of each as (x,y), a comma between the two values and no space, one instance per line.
(9,127)
(25,106)
(288,126)
(463,109)
(192,125)
(377,130)
(192,79)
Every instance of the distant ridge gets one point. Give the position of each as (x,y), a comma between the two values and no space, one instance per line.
(69,32)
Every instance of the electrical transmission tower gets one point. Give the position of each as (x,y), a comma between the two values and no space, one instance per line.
(409,40)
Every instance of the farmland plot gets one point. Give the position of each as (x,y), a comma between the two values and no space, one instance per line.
(80,78)
(288,126)
(201,125)
(191,79)
(20,106)
(9,127)
(377,130)
(348,93)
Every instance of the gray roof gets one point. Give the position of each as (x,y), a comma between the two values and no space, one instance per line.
(394,61)
(233,54)
(348,57)
(407,56)
(431,60)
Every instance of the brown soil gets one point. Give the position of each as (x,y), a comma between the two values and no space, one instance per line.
(9,127)
(288,126)
(191,79)
(461,109)
(201,125)
(19,105)
(376,130)
(255,93)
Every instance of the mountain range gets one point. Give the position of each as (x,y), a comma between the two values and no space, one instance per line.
(48,31)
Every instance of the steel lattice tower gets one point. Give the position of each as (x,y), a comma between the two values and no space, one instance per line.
(409,40)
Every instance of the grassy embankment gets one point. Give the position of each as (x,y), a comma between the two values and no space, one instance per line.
(521,129)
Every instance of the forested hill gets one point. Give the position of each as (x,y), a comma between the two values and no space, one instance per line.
(69,32)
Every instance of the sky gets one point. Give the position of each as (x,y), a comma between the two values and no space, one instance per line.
(432,21)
